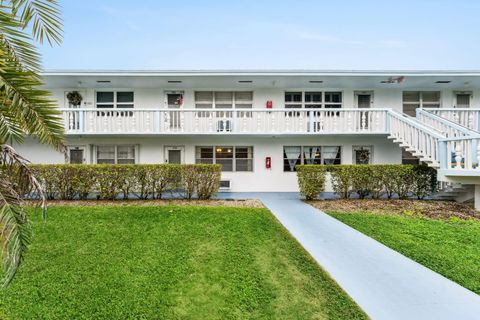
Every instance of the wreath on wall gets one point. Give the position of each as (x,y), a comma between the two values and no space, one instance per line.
(74,98)
(364,155)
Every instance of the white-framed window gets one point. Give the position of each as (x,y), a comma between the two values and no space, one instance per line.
(419,99)
(313,99)
(296,155)
(362,154)
(114,99)
(115,154)
(232,158)
(224,99)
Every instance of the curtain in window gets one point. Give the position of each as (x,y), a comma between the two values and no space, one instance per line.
(330,155)
(311,155)
(292,155)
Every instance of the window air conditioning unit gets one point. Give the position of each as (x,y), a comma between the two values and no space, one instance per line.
(225,184)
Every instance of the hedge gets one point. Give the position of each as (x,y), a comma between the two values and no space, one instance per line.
(372,181)
(311,180)
(142,181)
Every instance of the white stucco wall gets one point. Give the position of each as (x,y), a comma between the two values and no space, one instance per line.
(152,150)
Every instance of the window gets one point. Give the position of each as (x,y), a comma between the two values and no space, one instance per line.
(224,99)
(115,99)
(333,99)
(293,99)
(362,154)
(239,159)
(420,99)
(296,155)
(313,99)
(115,154)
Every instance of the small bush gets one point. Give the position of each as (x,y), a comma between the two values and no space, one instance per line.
(77,181)
(311,180)
(342,179)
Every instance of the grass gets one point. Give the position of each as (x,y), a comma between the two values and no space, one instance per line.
(450,247)
(169,263)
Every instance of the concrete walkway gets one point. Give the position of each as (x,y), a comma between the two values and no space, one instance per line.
(384,283)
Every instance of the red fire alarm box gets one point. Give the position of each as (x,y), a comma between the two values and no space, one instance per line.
(269,104)
(268,162)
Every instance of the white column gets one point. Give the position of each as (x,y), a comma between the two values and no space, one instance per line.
(477,197)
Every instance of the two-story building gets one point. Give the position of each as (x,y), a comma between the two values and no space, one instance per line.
(259,124)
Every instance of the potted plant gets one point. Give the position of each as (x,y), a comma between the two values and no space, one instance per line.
(74,98)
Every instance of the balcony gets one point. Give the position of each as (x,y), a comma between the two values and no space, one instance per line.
(213,122)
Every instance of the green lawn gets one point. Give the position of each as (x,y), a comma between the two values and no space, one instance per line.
(450,247)
(169,263)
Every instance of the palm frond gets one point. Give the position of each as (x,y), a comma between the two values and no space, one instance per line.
(15,230)
(43,16)
(16,43)
(32,108)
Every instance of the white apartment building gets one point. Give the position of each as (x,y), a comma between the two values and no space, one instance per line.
(260,124)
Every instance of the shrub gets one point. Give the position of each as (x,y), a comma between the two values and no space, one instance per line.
(424,181)
(208,180)
(342,179)
(368,180)
(311,180)
(68,181)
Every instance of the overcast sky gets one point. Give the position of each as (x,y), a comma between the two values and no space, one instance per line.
(301,34)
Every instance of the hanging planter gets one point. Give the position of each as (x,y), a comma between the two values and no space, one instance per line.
(74,98)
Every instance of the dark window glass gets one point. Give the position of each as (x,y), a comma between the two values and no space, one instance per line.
(124,97)
(334,97)
(313,97)
(104,97)
(293,97)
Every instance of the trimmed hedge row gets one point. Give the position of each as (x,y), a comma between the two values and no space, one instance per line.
(368,180)
(143,181)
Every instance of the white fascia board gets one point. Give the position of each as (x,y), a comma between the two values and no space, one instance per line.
(186,73)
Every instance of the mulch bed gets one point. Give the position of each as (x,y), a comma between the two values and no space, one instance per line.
(426,208)
(169,202)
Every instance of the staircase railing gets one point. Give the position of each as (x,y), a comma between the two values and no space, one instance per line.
(447,127)
(467,117)
(460,153)
(423,140)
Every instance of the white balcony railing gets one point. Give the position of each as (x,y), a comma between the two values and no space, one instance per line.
(467,117)
(208,121)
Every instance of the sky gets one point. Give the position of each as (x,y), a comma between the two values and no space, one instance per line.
(265,34)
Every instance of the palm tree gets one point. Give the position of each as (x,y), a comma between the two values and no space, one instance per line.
(25,109)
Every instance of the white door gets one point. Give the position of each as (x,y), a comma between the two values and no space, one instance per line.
(174,155)
(462,100)
(364,100)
